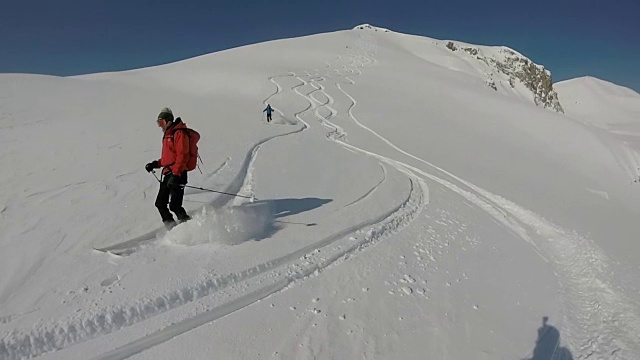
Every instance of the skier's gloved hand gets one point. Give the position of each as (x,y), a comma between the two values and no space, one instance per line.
(152,165)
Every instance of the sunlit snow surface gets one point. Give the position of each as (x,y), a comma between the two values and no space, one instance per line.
(403,210)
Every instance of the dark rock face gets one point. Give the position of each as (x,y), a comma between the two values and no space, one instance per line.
(535,77)
(517,68)
(370,27)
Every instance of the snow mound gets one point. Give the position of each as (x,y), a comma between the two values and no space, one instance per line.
(600,102)
(597,86)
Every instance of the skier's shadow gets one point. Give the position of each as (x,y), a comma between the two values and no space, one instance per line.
(280,208)
(548,344)
(265,214)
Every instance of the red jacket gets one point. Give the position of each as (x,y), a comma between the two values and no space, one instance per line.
(175,149)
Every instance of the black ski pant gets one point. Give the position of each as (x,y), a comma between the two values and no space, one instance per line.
(172,197)
(268,117)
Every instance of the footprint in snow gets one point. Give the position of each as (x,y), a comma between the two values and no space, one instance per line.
(110,281)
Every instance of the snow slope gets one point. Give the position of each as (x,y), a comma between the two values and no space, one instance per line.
(404,210)
(599,102)
(611,111)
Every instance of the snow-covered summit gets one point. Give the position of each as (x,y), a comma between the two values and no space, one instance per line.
(370,27)
(501,68)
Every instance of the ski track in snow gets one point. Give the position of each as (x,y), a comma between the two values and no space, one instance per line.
(300,264)
(598,320)
(304,263)
(191,191)
(627,158)
(372,190)
(240,184)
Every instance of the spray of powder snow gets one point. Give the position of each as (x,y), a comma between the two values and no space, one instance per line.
(226,226)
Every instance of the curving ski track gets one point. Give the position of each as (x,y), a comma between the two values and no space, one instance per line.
(599,320)
(58,336)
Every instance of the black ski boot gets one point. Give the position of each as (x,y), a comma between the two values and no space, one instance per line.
(184,218)
(169,224)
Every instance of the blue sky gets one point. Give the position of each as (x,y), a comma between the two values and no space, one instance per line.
(572,38)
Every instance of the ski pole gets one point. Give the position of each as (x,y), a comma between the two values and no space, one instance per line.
(295,223)
(215,191)
(220,192)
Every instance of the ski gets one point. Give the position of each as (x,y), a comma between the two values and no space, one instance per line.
(130,246)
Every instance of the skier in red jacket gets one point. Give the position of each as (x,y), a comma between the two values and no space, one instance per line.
(175,154)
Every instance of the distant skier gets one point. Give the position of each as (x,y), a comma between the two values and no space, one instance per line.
(179,155)
(268,110)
